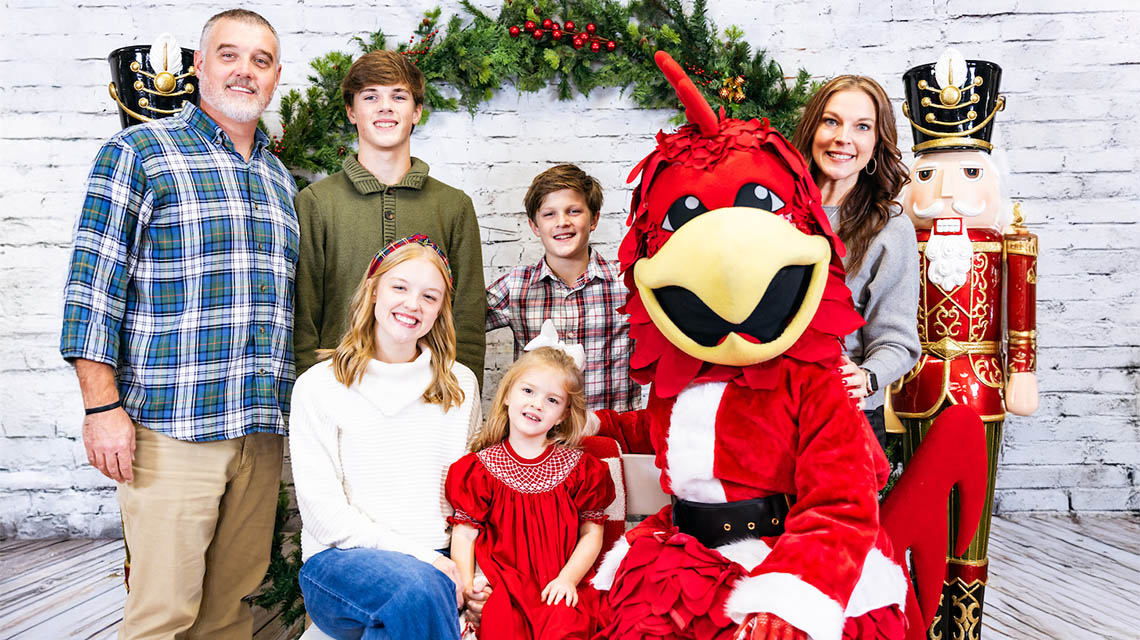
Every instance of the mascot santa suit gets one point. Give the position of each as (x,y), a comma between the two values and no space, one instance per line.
(954,199)
(738,308)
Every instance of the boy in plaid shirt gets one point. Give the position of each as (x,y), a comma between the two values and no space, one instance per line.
(572,285)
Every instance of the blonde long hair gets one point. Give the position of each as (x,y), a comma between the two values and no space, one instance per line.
(357,348)
(569,431)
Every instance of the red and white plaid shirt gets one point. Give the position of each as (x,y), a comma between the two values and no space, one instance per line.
(584,313)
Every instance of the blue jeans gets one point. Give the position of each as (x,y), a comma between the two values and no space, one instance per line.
(378,595)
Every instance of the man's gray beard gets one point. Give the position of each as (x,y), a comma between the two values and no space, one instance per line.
(949,258)
(233,107)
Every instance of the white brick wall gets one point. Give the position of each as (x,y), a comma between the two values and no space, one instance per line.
(1068,133)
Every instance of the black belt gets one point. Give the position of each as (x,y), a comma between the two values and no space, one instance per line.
(717,524)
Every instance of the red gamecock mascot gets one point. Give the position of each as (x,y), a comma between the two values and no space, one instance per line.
(737,307)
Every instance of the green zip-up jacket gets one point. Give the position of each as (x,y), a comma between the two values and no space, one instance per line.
(349,216)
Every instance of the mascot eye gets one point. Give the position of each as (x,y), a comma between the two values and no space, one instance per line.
(973,174)
(683,210)
(924,175)
(757,196)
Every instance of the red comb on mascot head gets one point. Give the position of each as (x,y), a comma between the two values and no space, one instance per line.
(737,308)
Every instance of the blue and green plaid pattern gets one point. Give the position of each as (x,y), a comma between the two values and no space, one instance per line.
(182,279)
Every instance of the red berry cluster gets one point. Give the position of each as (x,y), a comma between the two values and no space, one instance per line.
(425,44)
(702,76)
(277,145)
(578,39)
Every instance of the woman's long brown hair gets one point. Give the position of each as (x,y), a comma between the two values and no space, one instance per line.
(358,346)
(865,209)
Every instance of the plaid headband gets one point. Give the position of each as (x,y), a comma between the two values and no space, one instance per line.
(420,239)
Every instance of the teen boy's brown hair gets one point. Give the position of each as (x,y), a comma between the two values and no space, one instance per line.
(386,68)
(557,178)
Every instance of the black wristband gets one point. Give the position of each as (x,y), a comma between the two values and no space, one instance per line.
(107,407)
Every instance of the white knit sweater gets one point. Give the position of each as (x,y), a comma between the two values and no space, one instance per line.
(369,460)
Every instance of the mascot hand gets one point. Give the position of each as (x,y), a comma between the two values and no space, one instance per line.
(1021,393)
(767,626)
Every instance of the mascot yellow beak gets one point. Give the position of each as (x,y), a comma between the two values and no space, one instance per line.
(734,286)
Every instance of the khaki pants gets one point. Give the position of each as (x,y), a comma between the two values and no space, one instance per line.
(198,519)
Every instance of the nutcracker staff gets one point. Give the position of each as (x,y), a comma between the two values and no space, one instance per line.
(975,280)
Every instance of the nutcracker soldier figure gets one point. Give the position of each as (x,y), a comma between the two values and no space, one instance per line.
(977,282)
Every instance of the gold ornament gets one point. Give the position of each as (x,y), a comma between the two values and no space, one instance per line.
(731,89)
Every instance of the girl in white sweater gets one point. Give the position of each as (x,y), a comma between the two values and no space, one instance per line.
(374,428)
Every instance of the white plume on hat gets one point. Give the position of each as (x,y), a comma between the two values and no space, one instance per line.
(950,70)
(165,54)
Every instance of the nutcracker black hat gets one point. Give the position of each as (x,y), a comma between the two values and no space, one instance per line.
(951,103)
(152,81)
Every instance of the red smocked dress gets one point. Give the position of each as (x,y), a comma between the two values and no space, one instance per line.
(528,512)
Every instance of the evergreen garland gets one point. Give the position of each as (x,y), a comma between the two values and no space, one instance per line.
(476,57)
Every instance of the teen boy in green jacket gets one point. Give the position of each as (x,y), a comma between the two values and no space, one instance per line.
(381,194)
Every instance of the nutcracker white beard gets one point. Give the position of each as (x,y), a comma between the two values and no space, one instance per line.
(949,257)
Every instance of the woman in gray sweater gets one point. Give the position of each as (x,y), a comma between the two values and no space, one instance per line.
(848,135)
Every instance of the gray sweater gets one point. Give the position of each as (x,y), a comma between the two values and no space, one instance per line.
(885,291)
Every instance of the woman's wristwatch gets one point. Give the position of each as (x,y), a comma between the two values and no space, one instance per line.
(872,382)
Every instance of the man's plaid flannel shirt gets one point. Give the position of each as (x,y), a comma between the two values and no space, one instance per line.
(182,279)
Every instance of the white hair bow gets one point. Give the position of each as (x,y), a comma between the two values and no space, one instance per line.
(548,337)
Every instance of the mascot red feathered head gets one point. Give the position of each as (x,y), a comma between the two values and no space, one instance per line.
(730,260)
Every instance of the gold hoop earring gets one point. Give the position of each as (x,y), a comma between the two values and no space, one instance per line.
(872,166)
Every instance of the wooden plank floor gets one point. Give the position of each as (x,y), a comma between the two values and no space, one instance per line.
(53,589)
(1053,576)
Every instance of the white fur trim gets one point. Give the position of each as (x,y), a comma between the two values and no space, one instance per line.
(748,553)
(593,424)
(799,603)
(881,584)
(692,443)
(616,510)
(607,570)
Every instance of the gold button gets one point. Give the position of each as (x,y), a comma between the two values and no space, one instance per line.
(727,527)
(775,521)
(751,526)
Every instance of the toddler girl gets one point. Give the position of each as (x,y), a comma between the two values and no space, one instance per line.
(529,504)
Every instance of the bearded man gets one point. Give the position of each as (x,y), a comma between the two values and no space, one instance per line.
(178,318)
(954,199)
